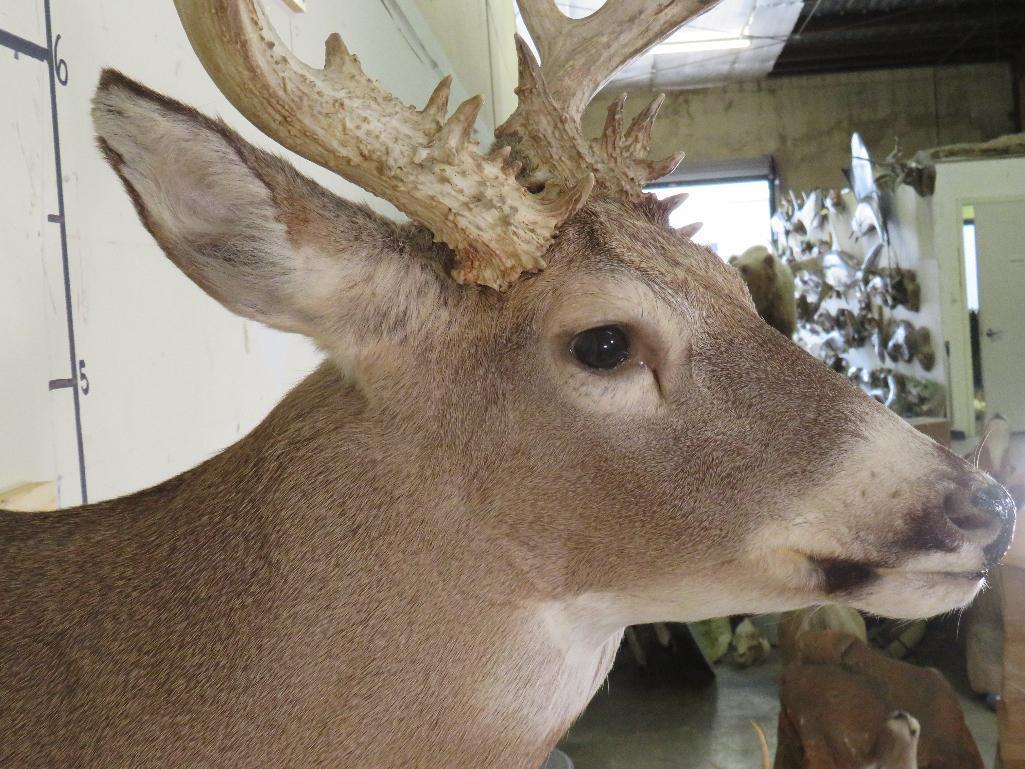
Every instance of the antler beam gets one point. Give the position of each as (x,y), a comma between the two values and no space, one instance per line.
(427,166)
(577,57)
(580,55)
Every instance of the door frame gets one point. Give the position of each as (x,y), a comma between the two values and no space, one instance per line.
(961,395)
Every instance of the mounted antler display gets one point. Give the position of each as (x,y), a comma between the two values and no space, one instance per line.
(498,214)
(432,547)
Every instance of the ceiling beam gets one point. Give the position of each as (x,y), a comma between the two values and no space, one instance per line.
(902,20)
(831,42)
(862,61)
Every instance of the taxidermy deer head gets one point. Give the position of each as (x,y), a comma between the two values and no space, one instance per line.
(544,415)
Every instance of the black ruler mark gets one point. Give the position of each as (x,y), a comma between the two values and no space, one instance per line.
(21,45)
(72,354)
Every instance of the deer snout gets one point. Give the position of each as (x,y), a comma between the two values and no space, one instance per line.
(985,514)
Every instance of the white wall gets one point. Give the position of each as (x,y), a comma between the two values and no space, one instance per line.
(173,377)
(960,183)
(478,37)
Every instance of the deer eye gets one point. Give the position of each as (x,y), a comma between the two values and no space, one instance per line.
(602,347)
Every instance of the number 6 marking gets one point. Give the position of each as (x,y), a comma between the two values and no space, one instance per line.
(61,67)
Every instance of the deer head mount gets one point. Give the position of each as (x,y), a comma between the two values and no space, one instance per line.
(498,211)
(635,355)
(430,549)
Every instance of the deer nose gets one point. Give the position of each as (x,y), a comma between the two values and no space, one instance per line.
(985,515)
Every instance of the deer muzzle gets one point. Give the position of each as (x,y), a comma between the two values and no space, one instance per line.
(983,514)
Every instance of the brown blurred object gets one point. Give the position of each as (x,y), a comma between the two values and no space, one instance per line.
(996,629)
(936,428)
(1011,711)
(794,624)
(840,695)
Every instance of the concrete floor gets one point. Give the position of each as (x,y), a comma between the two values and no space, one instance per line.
(658,719)
(651,720)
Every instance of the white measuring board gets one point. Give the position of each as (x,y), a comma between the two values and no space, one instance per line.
(36,315)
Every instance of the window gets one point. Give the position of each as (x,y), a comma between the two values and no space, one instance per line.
(735,214)
(971,260)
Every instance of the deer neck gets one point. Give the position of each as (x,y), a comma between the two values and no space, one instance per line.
(340,579)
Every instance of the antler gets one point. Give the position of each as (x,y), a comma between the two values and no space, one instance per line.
(428,167)
(577,58)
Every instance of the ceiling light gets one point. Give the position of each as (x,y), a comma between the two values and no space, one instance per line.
(696,46)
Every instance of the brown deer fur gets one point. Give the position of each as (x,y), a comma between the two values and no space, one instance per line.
(425,556)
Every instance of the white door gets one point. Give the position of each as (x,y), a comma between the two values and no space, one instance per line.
(1000,242)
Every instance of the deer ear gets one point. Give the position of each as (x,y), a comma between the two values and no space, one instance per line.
(248,229)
